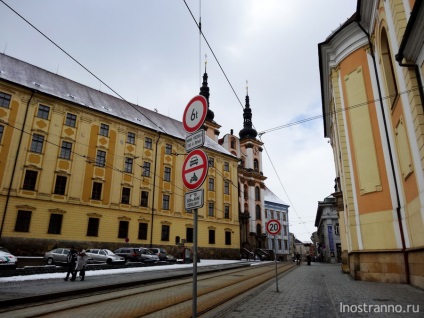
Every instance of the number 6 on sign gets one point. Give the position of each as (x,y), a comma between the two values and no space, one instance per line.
(273,227)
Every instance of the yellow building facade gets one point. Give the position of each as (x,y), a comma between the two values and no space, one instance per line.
(80,167)
(371,80)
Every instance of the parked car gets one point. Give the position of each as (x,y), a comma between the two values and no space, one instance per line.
(162,254)
(131,254)
(104,256)
(58,256)
(7,260)
(148,256)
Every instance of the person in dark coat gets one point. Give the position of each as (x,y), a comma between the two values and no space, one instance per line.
(308,258)
(72,260)
(298,258)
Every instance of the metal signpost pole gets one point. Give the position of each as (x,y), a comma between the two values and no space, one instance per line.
(275,259)
(195,265)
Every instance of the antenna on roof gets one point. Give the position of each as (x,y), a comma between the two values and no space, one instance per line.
(100,86)
(5,47)
(57,69)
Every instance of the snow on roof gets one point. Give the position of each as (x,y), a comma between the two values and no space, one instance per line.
(33,77)
(271,197)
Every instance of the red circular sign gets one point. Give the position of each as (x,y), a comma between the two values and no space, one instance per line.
(195,169)
(195,114)
(273,227)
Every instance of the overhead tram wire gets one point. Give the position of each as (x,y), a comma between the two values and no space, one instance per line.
(85,68)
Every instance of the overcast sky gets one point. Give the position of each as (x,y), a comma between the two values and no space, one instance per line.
(150,53)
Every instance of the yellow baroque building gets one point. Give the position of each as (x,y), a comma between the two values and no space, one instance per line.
(371,71)
(81,167)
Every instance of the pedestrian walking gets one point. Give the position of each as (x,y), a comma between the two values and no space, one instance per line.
(80,265)
(71,260)
(298,258)
(308,259)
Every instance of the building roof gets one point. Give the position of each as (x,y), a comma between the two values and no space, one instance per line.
(43,81)
(269,196)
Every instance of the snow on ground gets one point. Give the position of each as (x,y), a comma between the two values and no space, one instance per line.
(204,262)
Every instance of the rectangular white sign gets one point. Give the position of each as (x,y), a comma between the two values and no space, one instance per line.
(195,140)
(193,200)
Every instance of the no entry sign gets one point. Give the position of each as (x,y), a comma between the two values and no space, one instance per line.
(195,114)
(195,169)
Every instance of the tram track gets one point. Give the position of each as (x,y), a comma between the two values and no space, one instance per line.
(162,299)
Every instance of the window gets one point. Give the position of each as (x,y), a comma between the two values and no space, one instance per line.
(55,224)
(167,174)
(148,143)
(285,230)
(227,238)
(60,186)
(189,235)
(284,216)
(257,194)
(5,100)
(246,193)
(30,180)
(71,120)
(258,212)
(43,112)
(101,158)
(93,227)
(96,193)
(233,143)
(256,165)
(211,184)
(337,229)
(277,215)
(226,212)
(126,192)
(165,233)
(226,187)
(37,143)
(279,244)
(104,130)
(286,245)
(266,213)
(1,132)
(211,236)
(131,138)
(146,169)
(211,162)
(128,165)
(144,198)
(168,149)
(211,209)
(123,229)
(23,220)
(142,231)
(226,166)
(258,229)
(65,151)
(165,202)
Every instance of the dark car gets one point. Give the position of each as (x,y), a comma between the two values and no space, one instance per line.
(130,254)
(163,255)
(148,256)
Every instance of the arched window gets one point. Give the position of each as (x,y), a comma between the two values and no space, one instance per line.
(389,74)
(258,212)
(246,208)
(246,193)
(258,229)
(256,165)
(233,143)
(257,194)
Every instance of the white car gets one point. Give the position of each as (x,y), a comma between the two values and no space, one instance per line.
(7,260)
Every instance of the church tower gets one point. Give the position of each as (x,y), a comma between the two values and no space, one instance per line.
(210,126)
(252,186)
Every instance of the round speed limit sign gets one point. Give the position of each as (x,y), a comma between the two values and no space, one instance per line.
(273,227)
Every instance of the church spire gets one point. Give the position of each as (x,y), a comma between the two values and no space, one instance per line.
(204,91)
(248,131)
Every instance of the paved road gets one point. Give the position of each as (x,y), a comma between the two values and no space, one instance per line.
(322,290)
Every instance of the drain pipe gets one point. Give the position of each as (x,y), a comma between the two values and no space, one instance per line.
(15,164)
(154,190)
(398,208)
